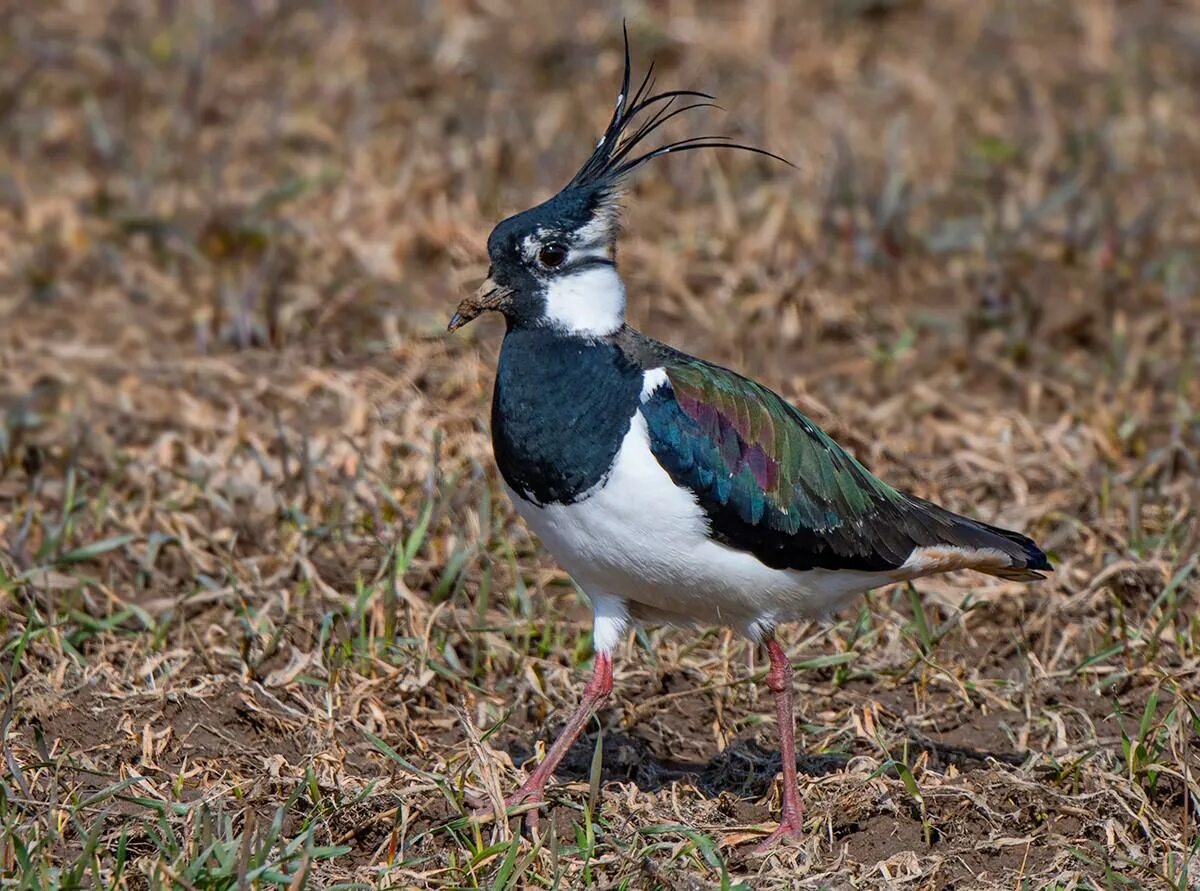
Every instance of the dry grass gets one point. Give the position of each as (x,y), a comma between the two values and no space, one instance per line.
(266,616)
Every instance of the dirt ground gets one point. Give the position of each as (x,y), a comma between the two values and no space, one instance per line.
(267,618)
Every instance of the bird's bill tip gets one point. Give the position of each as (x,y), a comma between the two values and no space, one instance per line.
(490,296)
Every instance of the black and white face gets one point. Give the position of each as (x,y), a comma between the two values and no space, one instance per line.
(554,265)
(572,271)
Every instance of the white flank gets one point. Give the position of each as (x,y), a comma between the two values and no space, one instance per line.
(590,302)
(641,539)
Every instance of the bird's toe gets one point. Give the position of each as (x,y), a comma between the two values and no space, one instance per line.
(527,801)
(789,832)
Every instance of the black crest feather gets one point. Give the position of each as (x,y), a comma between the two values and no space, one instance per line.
(616,155)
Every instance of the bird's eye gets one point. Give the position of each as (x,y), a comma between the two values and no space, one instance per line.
(552,255)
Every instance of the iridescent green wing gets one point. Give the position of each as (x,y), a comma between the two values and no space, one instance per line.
(773,483)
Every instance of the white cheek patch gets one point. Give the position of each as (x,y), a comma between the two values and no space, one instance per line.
(591,301)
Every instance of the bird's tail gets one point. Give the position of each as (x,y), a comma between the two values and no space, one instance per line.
(957,542)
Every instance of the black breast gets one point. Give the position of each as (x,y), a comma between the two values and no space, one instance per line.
(561,408)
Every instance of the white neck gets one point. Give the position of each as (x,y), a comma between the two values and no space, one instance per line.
(589,302)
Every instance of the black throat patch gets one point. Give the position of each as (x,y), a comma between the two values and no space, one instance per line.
(561,408)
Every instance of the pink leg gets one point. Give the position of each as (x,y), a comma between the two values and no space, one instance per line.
(779,680)
(596,691)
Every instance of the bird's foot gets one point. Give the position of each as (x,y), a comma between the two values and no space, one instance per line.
(790,831)
(531,794)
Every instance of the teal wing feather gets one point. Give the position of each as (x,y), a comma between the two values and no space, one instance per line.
(773,483)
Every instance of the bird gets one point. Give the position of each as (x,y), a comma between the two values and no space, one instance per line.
(675,491)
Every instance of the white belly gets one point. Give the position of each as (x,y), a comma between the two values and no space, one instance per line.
(642,538)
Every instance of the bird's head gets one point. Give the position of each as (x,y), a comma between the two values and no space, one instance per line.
(555,264)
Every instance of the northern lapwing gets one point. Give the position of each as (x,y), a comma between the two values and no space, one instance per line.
(671,489)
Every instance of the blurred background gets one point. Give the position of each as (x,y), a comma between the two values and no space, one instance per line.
(265,613)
